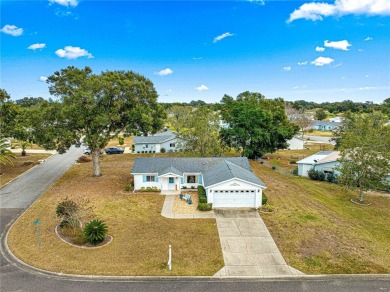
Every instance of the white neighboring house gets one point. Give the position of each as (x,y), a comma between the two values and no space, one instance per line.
(336,119)
(324,161)
(325,126)
(153,144)
(229,181)
(295,143)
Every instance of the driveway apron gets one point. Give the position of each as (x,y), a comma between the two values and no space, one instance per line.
(247,246)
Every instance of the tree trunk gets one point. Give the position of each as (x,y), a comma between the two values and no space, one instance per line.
(23,152)
(361,195)
(96,162)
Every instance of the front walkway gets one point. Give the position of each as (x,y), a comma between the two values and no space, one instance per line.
(247,246)
(168,207)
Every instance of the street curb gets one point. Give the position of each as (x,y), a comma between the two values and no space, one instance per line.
(20,175)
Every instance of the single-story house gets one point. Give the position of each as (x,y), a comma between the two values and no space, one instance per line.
(336,119)
(325,126)
(324,161)
(154,143)
(295,143)
(228,181)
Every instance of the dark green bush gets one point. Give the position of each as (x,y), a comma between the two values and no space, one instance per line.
(202,200)
(295,171)
(293,162)
(205,207)
(162,150)
(264,199)
(273,167)
(121,140)
(95,231)
(128,187)
(316,175)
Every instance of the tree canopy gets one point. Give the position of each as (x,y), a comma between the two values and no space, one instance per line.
(365,157)
(255,125)
(96,108)
(199,133)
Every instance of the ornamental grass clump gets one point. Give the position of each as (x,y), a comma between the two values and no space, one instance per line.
(95,231)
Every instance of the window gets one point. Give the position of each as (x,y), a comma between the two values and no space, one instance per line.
(172,145)
(171,180)
(146,146)
(150,178)
(192,179)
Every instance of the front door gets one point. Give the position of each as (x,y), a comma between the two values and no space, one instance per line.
(171,183)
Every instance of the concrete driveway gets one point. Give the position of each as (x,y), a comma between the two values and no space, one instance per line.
(247,246)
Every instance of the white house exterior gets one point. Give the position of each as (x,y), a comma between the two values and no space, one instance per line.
(324,161)
(325,126)
(229,182)
(295,144)
(153,144)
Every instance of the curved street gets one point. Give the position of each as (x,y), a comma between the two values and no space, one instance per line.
(18,195)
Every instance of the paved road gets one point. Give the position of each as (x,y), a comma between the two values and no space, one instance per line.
(22,192)
(17,277)
(320,139)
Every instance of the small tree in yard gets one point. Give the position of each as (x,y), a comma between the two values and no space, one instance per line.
(96,108)
(23,145)
(68,211)
(365,155)
(95,231)
(5,154)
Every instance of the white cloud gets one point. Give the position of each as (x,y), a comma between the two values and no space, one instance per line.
(320,49)
(259,2)
(366,76)
(70,52)
(368,39)
(36,46)
(43,78)
(287,68)
(299,86)
(360,50)
(322,61)
(316,11)
(339,45)
(164,72)
(222,36)
(202,88)
(367,88)
(65,2)
(197,58)
(12,30)
(302,63)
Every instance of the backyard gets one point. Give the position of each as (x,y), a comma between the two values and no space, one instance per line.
(319,231)
(140,234)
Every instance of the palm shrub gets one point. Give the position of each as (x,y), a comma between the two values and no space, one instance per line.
(23,145)
(95,231)
(5,154)
(68,211)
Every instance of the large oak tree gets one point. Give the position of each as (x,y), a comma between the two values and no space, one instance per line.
(256,125)
(96,108)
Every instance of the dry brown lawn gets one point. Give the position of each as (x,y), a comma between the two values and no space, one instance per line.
(11,171)
(319,133)
(319,231)
(115,142)
(141,235)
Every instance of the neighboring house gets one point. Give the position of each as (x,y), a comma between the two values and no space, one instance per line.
(325,126)
(336,119)
(154,144)
(324,161)
(295,144)
(229,182)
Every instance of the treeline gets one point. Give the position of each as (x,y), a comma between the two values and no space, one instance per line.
(343,106)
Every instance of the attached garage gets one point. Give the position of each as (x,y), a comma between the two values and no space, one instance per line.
(234,199)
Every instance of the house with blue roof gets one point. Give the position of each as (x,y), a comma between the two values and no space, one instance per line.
(229,181)
(154,143)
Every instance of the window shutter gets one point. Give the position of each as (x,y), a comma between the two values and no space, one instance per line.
(156,178)
(200,179)
(144,178)
(182,180)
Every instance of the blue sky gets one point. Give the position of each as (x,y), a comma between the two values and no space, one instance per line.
(204,49)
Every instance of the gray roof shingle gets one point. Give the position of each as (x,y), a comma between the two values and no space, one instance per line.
(156,139)
(214,169)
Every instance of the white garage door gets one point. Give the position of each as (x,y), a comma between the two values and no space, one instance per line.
(234,199)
